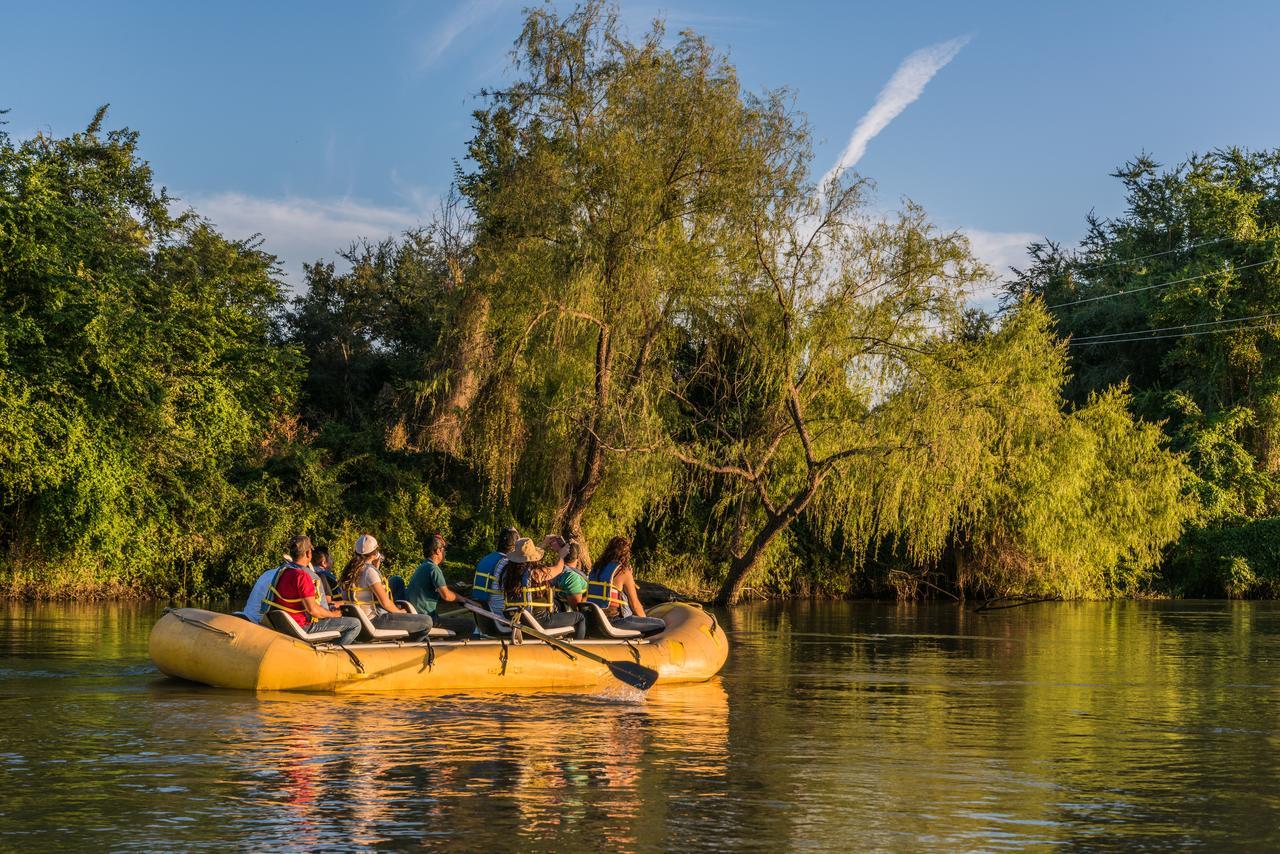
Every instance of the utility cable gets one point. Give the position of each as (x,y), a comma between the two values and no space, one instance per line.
(1103,264)
(1175,335)
(1083,338)
(1163,284)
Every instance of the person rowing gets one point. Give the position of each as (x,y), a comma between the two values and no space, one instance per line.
(611,585)
(364,586)
(526,584)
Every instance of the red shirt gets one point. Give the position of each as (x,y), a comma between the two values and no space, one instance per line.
(293,585)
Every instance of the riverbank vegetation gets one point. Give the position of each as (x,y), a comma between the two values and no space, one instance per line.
(641,312)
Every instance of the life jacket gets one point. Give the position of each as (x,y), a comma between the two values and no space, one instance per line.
(535,598)
(282,603)
(364,596)
(602,591)
(484,584)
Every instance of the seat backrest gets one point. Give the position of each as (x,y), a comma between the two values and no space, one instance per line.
(368,630)
(488,626)
(527,619)
(598,622)
(283,623)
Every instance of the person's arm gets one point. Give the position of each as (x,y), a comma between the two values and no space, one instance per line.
(628,585)
(315,610)
(446,594)
(380,593)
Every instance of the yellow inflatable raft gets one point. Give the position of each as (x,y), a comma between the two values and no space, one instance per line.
(230,652)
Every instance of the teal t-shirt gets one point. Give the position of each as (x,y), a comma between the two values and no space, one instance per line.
(424,587)
(571,582)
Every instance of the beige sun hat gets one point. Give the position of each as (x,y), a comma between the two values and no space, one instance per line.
(366,545)
(524,552)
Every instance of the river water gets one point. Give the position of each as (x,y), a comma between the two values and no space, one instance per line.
(834,726)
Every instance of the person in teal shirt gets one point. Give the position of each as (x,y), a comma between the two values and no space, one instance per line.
(428,587)
(571,584)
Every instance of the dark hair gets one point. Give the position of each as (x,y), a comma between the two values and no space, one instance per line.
(513,582)
(507,539)
(299,546)
(574,553)
(618,551)
(320,551)
(434,543)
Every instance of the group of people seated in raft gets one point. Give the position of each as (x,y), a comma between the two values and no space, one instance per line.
(546,580)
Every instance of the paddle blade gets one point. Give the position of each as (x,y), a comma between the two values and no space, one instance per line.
(635,675)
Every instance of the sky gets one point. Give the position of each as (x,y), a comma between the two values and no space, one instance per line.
(318,123)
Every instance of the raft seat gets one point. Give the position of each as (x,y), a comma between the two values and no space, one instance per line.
(436,631)
(370,632)
(527,619)
(598,623)
(283,623)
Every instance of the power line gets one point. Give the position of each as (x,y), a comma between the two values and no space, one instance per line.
(1176,335)
(1161,284)
(992,286)
(1084,338)
(1152,255)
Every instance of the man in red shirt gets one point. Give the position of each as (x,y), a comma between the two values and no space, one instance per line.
(294,592)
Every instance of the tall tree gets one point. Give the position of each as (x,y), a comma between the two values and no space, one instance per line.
(600,186)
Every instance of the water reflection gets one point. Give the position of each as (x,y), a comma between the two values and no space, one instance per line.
(835,725)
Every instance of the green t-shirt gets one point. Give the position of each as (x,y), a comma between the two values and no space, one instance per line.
(570,583)
(424,587)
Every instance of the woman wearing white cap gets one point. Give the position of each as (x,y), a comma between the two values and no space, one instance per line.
(365,588)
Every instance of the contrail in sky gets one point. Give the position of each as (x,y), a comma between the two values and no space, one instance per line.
(906,84)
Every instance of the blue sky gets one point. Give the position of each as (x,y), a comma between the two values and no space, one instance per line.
(315,123)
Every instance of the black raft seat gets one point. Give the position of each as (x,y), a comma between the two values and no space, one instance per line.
(283,623)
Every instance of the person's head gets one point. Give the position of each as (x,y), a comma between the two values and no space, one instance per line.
(300,550)
(435,547)
(320,557)
(523,555)
(507,539)
(618,551)
(365,552)
(573,553)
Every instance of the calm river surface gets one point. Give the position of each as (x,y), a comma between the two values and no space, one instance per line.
(834,726)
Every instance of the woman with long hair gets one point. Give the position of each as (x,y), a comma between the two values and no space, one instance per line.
(611,584)
(526,583)
(365,588)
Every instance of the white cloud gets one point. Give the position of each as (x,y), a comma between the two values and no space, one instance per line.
(904,87)
(299,230)
(999,250)
(464,17)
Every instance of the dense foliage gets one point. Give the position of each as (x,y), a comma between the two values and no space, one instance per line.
(638,315)
(1193,259)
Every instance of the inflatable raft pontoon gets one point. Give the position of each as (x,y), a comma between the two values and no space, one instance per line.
(230,652)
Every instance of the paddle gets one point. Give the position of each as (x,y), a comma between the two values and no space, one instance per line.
(635,675)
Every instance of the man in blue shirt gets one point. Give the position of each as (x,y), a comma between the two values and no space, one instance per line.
(428,587)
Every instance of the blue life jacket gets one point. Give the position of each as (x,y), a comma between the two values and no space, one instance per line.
(602,591)
(485,582)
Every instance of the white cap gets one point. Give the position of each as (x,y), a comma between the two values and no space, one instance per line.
(366,544)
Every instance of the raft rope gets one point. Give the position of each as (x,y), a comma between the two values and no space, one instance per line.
(502,657)
(201,623)
(635,650)
(431,654)
(354,658)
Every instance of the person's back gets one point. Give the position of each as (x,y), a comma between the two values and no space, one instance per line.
(485,582)
(365,588)
(527,584)
(611,586)
(428,588)
(294,589)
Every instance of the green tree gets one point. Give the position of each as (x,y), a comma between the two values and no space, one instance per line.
(139,368)
(600,187)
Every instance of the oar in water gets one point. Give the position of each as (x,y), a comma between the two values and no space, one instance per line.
(635,675)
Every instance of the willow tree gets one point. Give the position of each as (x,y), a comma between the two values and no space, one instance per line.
(821,382)
(600,187)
